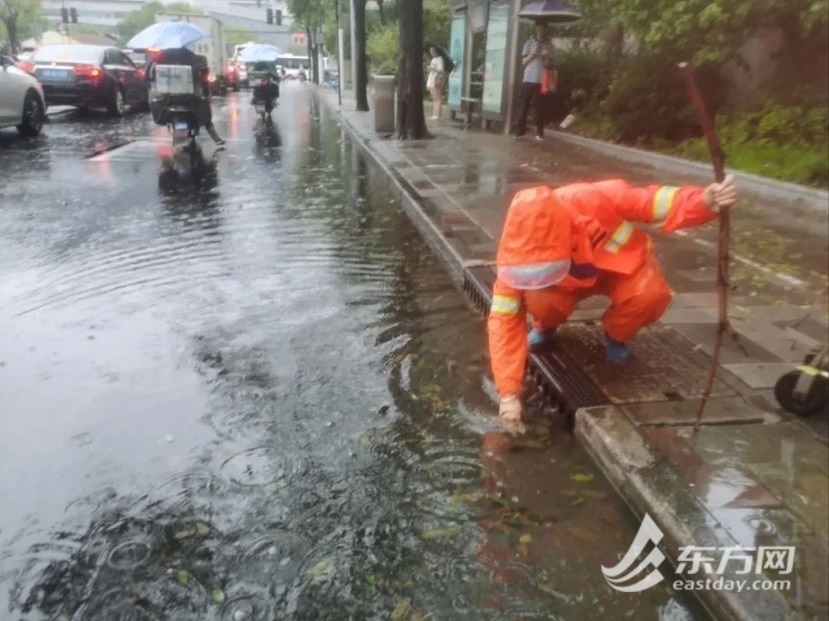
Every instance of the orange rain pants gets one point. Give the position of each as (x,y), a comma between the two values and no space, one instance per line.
(637,300)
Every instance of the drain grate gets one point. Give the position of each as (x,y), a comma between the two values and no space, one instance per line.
(662,368)
(561,380)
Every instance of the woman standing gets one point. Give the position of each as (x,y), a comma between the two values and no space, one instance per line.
(434,82)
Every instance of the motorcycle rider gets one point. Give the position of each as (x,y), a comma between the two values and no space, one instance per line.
(272,74)
(198,63)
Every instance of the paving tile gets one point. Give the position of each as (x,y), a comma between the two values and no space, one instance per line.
(718,411)
(703,336)
(759,375)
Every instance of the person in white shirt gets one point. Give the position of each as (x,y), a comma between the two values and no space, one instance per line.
(437,73)
(537,51)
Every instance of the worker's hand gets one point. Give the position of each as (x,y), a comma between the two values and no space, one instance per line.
(719,195)
(510,409)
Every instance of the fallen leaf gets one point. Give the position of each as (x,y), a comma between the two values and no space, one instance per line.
(182,576)
(582,478)
(371,580)
(594,494)
(402,610)
(218,596)
(321,571)
(544,588)
(168,438)
(441,533)
(525,539)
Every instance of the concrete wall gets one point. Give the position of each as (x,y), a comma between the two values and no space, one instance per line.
(759,54)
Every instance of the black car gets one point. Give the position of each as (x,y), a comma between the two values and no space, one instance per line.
(89,76)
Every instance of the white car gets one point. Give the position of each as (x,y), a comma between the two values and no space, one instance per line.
(21,100)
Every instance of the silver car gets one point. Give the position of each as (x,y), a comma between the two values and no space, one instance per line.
(22,104)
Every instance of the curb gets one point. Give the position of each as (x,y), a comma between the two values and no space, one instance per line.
(648,485)
(800,197)
(404,193)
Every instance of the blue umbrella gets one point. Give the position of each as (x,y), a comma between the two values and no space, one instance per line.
(167,35)
(552,11)
(257,52)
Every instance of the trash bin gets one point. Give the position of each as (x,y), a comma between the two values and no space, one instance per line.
(383,104)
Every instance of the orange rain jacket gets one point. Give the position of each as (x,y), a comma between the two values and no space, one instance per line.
(551,234)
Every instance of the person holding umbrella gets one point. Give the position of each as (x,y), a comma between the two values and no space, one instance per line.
(171,39)
(535,57)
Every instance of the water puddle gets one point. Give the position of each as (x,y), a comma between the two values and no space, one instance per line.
(284,410)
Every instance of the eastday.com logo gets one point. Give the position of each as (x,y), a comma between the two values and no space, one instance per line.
(625,571)
(632,575)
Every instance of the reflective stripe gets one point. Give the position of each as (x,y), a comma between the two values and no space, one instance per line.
(620,237)
(663,202)
(504,305)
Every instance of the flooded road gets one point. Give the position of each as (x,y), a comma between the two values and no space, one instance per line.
(256,395)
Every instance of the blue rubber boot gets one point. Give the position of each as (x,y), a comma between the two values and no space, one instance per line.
(617,353)
(537,339)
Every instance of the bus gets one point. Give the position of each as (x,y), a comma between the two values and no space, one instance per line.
(293,65)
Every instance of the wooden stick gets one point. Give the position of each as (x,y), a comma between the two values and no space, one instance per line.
(723,251)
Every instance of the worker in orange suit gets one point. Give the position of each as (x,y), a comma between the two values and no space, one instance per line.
(560,246)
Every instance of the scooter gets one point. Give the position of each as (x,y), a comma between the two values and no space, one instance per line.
(183,125)
(805,391)
(265,93)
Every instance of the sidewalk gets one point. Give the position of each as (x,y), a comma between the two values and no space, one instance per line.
(755,476)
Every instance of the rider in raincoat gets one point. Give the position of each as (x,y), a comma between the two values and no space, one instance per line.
(560,246)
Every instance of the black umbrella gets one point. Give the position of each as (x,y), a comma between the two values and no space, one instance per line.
(551,11)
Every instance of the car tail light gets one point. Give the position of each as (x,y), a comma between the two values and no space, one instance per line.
(27,66)
(88,71)
(140,73)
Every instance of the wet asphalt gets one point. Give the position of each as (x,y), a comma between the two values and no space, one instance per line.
(246,390)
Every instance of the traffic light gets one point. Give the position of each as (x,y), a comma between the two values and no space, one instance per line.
(73,13)
(270,16)
(278,17)
(64,13)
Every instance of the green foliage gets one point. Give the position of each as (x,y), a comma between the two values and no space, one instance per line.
(16,18)
(137,20)
(783,142)
(382,49)
(647,100)
(584,76)
(237,37)
(437,24)
(92,29)
(310,15)
(383,42)
(704,31)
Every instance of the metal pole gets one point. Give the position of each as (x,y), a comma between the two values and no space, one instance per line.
(340,52)
(353,51)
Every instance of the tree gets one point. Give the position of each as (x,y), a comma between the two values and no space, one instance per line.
(137,20)
(411,120)
(361,62)
(311,15)
(237,37)
(15,16)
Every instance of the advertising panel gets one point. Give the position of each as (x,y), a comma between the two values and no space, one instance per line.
(457,40)
(496,58)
